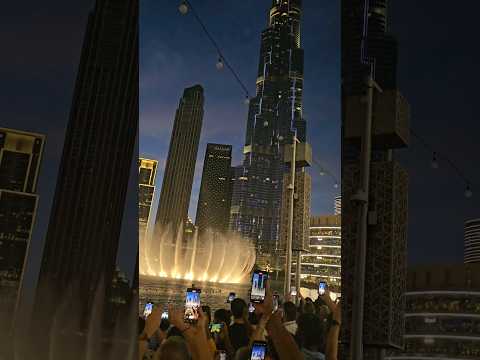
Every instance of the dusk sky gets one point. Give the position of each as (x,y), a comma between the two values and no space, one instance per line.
(175,53)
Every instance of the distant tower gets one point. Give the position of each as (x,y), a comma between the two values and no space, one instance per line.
(85,223)
(20,157)
(213,209)
(182,155)
(472,241)
(338,205)
(146,186)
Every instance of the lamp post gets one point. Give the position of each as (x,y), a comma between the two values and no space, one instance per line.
(291,189)
(362,198)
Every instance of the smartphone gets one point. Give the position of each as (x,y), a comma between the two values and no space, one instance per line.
(215,328)
(231,297)
(259,350)
(293,291)
(192,304)
(322,287)
(275,302)
(251,308)
(259,281)
(165,315)
(148,309)
(222,355)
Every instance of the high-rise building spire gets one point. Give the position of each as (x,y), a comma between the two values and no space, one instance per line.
(275,115)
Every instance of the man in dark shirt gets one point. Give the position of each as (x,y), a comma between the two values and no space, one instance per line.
(240,330)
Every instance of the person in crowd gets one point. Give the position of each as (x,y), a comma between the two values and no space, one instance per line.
(222,340)
(211,341)
(290,317)
(174,348)
(240,330)
(311,336)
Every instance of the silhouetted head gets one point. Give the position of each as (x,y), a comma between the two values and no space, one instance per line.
(311,332)
(174,348)
(238,307)
(289,311)
(221,315)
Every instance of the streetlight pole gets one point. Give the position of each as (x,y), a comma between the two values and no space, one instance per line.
(291,189)
(362,197)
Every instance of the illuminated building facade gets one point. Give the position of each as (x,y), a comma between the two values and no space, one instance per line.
(146,188)
(442,318)
(322,261)
(182,156)
(472,241)
(20,158)
(275,112)
(90,197)
(338,205)
(213,209)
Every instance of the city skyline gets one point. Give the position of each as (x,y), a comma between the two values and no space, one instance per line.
(321,110)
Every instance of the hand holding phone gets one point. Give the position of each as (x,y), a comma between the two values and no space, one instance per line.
(259,350)
(148,309)
(322,288)
(259,282)
(192,304)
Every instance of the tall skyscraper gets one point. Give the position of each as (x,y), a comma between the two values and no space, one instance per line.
(20,158)
(472,241)
(182,155)
(275,112)
(146,187)
(83,234)
(213,209)
(369,50)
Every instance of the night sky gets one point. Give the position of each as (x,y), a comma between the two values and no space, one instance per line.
(438,73)
(175,53)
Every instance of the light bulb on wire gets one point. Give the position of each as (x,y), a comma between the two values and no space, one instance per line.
(183,8)
(468,192)
(247,100)
(219,64)
(322,172)
(335,185)
(434,163)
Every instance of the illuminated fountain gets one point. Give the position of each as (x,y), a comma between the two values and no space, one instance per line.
(212,257)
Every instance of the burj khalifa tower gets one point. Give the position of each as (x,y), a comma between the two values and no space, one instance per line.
(274,117)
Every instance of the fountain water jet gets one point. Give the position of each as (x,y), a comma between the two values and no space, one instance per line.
(210,256)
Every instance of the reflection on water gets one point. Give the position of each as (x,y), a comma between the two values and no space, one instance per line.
(162,291)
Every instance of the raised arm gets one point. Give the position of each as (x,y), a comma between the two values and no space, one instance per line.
(283,341)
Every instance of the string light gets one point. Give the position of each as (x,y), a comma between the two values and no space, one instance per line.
(434,163)
(468,192)
(187,6)
(183,8)
(219,64)
(247,100)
